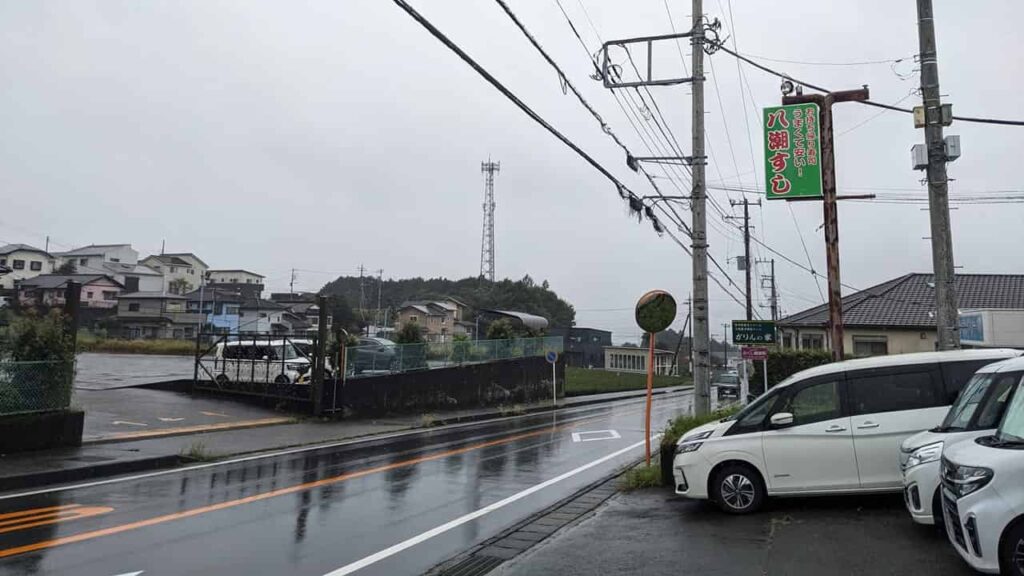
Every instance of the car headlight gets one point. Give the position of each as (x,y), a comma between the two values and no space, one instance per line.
(700,436)
(299,367)
(924,455)
(964,480)
(688,447)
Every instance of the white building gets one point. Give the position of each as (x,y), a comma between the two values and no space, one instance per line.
(632,359)
(182,272)
(262,317)
(24,262)
(119,261)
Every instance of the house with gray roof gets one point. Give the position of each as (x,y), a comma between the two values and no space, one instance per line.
(97,290)
(20,262)
(898,316)
(182,271)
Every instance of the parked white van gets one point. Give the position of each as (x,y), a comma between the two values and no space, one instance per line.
(831,429)
(262,361)
(983,495)
(976,412)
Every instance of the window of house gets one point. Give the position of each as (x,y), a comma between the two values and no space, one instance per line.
(133,307)
(115,259)
(263,314)
(234,280)
(248,280)
(3,261)
(18,264)
(870,345)
(35,266)
(812,341)
(413,318)
(83,261)
(191,271)
(174,269)
(314,321)
(89,294)
(109,295)
(787,340)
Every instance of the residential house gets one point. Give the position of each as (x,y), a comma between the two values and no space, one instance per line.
(898,316)
(258,316)
(98,290)
(250,284)
(302,312)
(24,262)
(583,347)
(439,319)
(182,272)
(220,308)
(151,315)
(120,261)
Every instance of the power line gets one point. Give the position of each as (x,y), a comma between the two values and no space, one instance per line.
(764,68)
(808,63)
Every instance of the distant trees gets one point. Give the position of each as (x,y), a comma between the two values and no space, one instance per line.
(179,286)
(501,329)
(522,295)
(409,333)
(68,267)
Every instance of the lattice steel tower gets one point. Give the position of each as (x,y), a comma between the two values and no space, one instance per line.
(489,169)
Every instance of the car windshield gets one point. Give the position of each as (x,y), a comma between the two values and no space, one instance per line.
(966,404)
(728,379)
(1012,428)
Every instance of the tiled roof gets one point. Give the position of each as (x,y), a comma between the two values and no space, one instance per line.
(48,281)
(909,301)
(4,250)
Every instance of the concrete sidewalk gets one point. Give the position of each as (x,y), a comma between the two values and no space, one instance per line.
(138,453)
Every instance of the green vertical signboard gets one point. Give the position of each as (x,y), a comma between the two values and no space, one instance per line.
(792,151)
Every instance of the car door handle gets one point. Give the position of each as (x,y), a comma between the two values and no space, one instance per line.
(867,425)
(835,428)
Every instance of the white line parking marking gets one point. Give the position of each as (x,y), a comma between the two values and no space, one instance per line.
(424,536)
(591,435)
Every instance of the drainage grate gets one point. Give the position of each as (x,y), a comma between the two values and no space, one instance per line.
(475,565)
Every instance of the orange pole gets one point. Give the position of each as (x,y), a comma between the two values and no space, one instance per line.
(650,387)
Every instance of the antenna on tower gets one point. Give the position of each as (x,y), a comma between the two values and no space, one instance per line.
(489,169)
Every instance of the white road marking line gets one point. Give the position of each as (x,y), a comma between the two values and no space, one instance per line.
(169,420)
(116,422)
(203,412)
(132,573)
(597,435)
(324,446)
(424,536)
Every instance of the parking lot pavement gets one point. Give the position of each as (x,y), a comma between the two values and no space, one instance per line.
(652,532)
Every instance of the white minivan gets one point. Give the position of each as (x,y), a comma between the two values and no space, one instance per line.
(831,429)
(983,495)
(265,361)
(975,413)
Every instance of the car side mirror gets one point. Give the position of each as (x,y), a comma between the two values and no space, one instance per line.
(781,420)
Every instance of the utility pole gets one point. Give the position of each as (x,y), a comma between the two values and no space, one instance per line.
(747,263)
(291,283)
(689,347)
(378,317)
(946,316)
(702,354)
(725,345)
(362,294)
(772,286)
(489,169)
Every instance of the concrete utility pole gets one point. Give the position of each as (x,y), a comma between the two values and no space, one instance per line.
(831,215)
(772,286)
(378,318)
(747,262)
(702,336)
(946,314)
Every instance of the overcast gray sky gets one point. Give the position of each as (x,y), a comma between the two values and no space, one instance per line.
(325,135)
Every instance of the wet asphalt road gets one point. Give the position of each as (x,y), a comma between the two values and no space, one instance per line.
(394,506)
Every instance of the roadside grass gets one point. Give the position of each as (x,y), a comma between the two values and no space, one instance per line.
(198,452)
(680,425)
(90,343)
(429,421)
(641,476)
(579,381)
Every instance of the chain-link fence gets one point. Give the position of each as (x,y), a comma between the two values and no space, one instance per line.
(35,386)
(387,359)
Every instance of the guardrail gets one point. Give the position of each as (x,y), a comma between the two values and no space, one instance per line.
(389,359)
(27,387)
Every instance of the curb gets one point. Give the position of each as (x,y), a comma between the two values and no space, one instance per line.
(189,430)
(63,476)
(516,541)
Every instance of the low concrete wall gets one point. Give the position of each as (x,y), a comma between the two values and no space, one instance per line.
(41,430)
(504,382)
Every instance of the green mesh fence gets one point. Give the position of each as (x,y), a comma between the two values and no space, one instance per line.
(375,360)
(35,386)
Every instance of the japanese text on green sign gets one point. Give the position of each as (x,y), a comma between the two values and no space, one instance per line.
(792,149)
(753,332)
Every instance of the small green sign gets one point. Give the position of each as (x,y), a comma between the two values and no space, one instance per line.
(792,151)
(753,332)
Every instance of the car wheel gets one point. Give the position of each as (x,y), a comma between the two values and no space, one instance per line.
(282,379)
(738,489)
(222,379)
(1011,556)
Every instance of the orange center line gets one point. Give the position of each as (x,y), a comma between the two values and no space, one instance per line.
(59,516)
(83,536)
(21,513)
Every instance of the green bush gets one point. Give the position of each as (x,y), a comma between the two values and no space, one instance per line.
(39,339)
(784,363)
(679,426)
(409,333)
(501,329)
(89,343)
(642,476)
